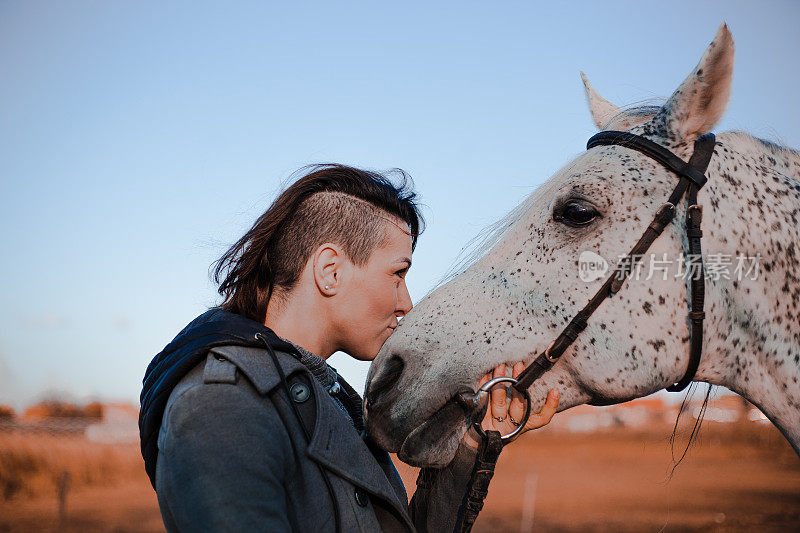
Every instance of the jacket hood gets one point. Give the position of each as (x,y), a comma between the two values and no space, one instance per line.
(215,327)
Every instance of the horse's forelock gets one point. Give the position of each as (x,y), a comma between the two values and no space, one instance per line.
(636,114)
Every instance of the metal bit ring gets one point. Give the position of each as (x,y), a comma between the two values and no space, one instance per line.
(489,385)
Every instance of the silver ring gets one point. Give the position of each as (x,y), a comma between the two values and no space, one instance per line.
(499,418)
(516,424)
(485,388)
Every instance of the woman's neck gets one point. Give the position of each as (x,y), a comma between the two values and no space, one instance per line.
(301,322)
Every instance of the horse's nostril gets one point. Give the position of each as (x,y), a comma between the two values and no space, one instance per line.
(385,380)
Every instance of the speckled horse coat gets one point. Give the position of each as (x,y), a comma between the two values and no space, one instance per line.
(513,301)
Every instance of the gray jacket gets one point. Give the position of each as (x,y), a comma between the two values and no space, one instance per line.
(232,456)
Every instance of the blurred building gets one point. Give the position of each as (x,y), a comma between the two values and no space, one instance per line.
(655,412)
(120,425)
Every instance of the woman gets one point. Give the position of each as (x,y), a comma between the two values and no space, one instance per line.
(244,426)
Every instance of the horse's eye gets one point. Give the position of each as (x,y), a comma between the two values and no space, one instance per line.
(576,214)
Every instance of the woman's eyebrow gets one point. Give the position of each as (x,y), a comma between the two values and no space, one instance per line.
(404,260)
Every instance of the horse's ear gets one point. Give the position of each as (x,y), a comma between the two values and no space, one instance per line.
(601,109)
(700,101)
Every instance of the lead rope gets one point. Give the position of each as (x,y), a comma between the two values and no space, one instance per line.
(488,453)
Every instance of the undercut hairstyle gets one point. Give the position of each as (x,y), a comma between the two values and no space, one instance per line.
(329,203)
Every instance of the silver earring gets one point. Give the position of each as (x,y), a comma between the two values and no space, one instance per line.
(326,287)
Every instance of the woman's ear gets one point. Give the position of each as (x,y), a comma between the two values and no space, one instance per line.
(329,261)
(700,101)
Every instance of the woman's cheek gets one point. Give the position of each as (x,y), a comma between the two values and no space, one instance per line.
(383,296)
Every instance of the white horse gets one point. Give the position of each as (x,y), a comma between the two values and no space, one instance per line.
(514,299)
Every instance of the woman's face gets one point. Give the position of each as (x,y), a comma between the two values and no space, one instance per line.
(376,296)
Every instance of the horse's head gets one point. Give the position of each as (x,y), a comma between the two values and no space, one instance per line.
(512,302)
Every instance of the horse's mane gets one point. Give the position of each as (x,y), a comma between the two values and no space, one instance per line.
(777,147)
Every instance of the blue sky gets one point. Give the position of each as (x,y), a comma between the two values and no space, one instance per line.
(139,139)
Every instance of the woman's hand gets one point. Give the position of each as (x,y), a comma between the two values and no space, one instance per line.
(502,415)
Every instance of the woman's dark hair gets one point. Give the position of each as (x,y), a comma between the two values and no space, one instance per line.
(329,203)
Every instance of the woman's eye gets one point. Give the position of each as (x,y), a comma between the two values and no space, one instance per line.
(576,214)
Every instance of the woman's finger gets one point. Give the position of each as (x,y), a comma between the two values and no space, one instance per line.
(544,416)
(516,410)
(498,394)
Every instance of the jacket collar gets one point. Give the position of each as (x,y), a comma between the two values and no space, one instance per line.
(254,362)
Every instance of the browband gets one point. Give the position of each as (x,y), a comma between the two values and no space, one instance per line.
(653,151)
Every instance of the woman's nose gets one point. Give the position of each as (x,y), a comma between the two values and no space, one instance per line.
(404,304)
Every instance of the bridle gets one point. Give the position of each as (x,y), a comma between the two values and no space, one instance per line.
(691,179)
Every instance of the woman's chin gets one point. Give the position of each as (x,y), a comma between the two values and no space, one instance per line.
(369,353)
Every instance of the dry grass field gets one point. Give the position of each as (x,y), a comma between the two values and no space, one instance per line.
(33,464)
(738,477)
(105,485)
